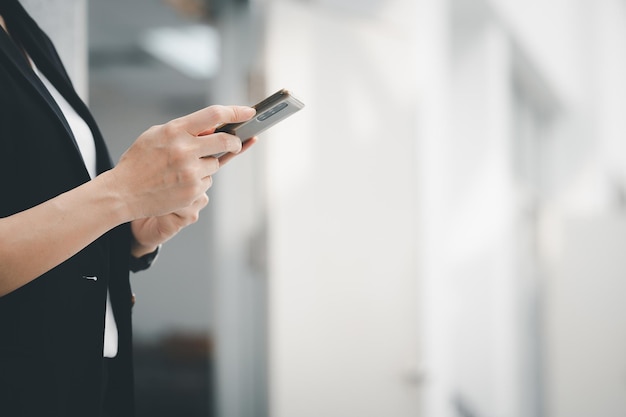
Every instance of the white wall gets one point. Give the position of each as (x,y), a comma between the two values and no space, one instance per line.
(517,124)
(341,207)
(584,320)
(512,291)
(587,320)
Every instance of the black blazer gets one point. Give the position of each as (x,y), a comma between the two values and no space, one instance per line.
(51,330)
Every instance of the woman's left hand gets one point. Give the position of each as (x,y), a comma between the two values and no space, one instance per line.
(150,232)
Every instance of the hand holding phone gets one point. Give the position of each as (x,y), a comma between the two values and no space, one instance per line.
(269,111)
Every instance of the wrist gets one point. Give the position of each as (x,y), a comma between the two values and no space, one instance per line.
(120,205)
(143,262)
(137,250)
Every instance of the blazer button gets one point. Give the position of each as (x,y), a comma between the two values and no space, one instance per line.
(132,300)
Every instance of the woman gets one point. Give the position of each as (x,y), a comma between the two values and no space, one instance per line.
(72,225)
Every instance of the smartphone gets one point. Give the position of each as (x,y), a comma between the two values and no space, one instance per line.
(270,111)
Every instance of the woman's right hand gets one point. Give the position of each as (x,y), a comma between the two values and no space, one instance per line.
(170,166)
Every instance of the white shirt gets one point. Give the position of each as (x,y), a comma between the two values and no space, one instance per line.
(84,139)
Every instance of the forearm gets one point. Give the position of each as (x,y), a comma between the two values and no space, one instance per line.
(36,240)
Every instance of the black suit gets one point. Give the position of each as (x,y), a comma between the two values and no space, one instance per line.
(51,330)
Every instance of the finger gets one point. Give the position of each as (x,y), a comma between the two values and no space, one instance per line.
(201,202)
(184,218)
(246,145)
(190,214)
(217,144)
(207,182)
(208,166)
(205,120)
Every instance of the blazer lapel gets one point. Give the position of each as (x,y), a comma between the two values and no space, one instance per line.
(15,58)
(43,53)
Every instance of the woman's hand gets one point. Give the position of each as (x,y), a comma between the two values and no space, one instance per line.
(169,167)
(153,231)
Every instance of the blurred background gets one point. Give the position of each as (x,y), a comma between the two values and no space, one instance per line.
(441,232)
